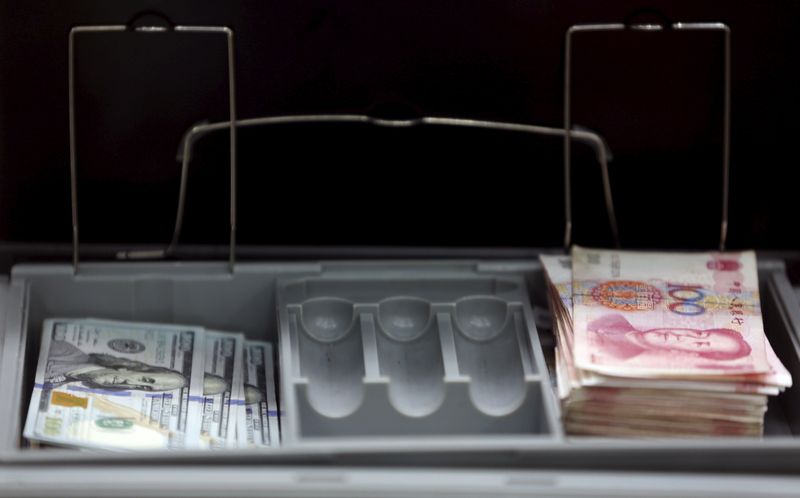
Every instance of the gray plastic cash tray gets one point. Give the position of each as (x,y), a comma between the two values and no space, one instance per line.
(246,300)
(424,353)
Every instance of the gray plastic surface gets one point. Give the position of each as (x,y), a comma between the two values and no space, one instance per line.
(246,300)
(13,316)
(426,353)
(273,482)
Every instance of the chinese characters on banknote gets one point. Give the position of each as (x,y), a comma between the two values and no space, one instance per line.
(661,344)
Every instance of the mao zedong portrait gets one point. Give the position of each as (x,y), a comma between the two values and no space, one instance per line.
(616,336)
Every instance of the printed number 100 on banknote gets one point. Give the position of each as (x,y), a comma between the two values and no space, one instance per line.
(690,315)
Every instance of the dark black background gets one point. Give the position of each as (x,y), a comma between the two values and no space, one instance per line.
(656,98)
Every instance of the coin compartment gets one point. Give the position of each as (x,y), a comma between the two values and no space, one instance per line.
(425,356)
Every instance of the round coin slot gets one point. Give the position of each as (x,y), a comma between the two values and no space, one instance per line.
(404,318)
(481,318)
(327,319)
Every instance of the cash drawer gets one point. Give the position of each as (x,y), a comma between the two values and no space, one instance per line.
(387,445)
(246,300)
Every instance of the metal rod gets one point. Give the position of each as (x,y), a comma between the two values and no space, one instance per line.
(568,134)
(232,125)
(702,26)
(192,135)
(726,133)
(73,161)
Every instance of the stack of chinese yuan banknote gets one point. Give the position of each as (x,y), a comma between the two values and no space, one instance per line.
(139,386)
(661,345)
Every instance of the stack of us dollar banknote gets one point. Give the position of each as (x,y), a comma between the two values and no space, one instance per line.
(660,344)
(127,386)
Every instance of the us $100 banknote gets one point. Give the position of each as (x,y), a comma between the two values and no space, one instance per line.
(118,385)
